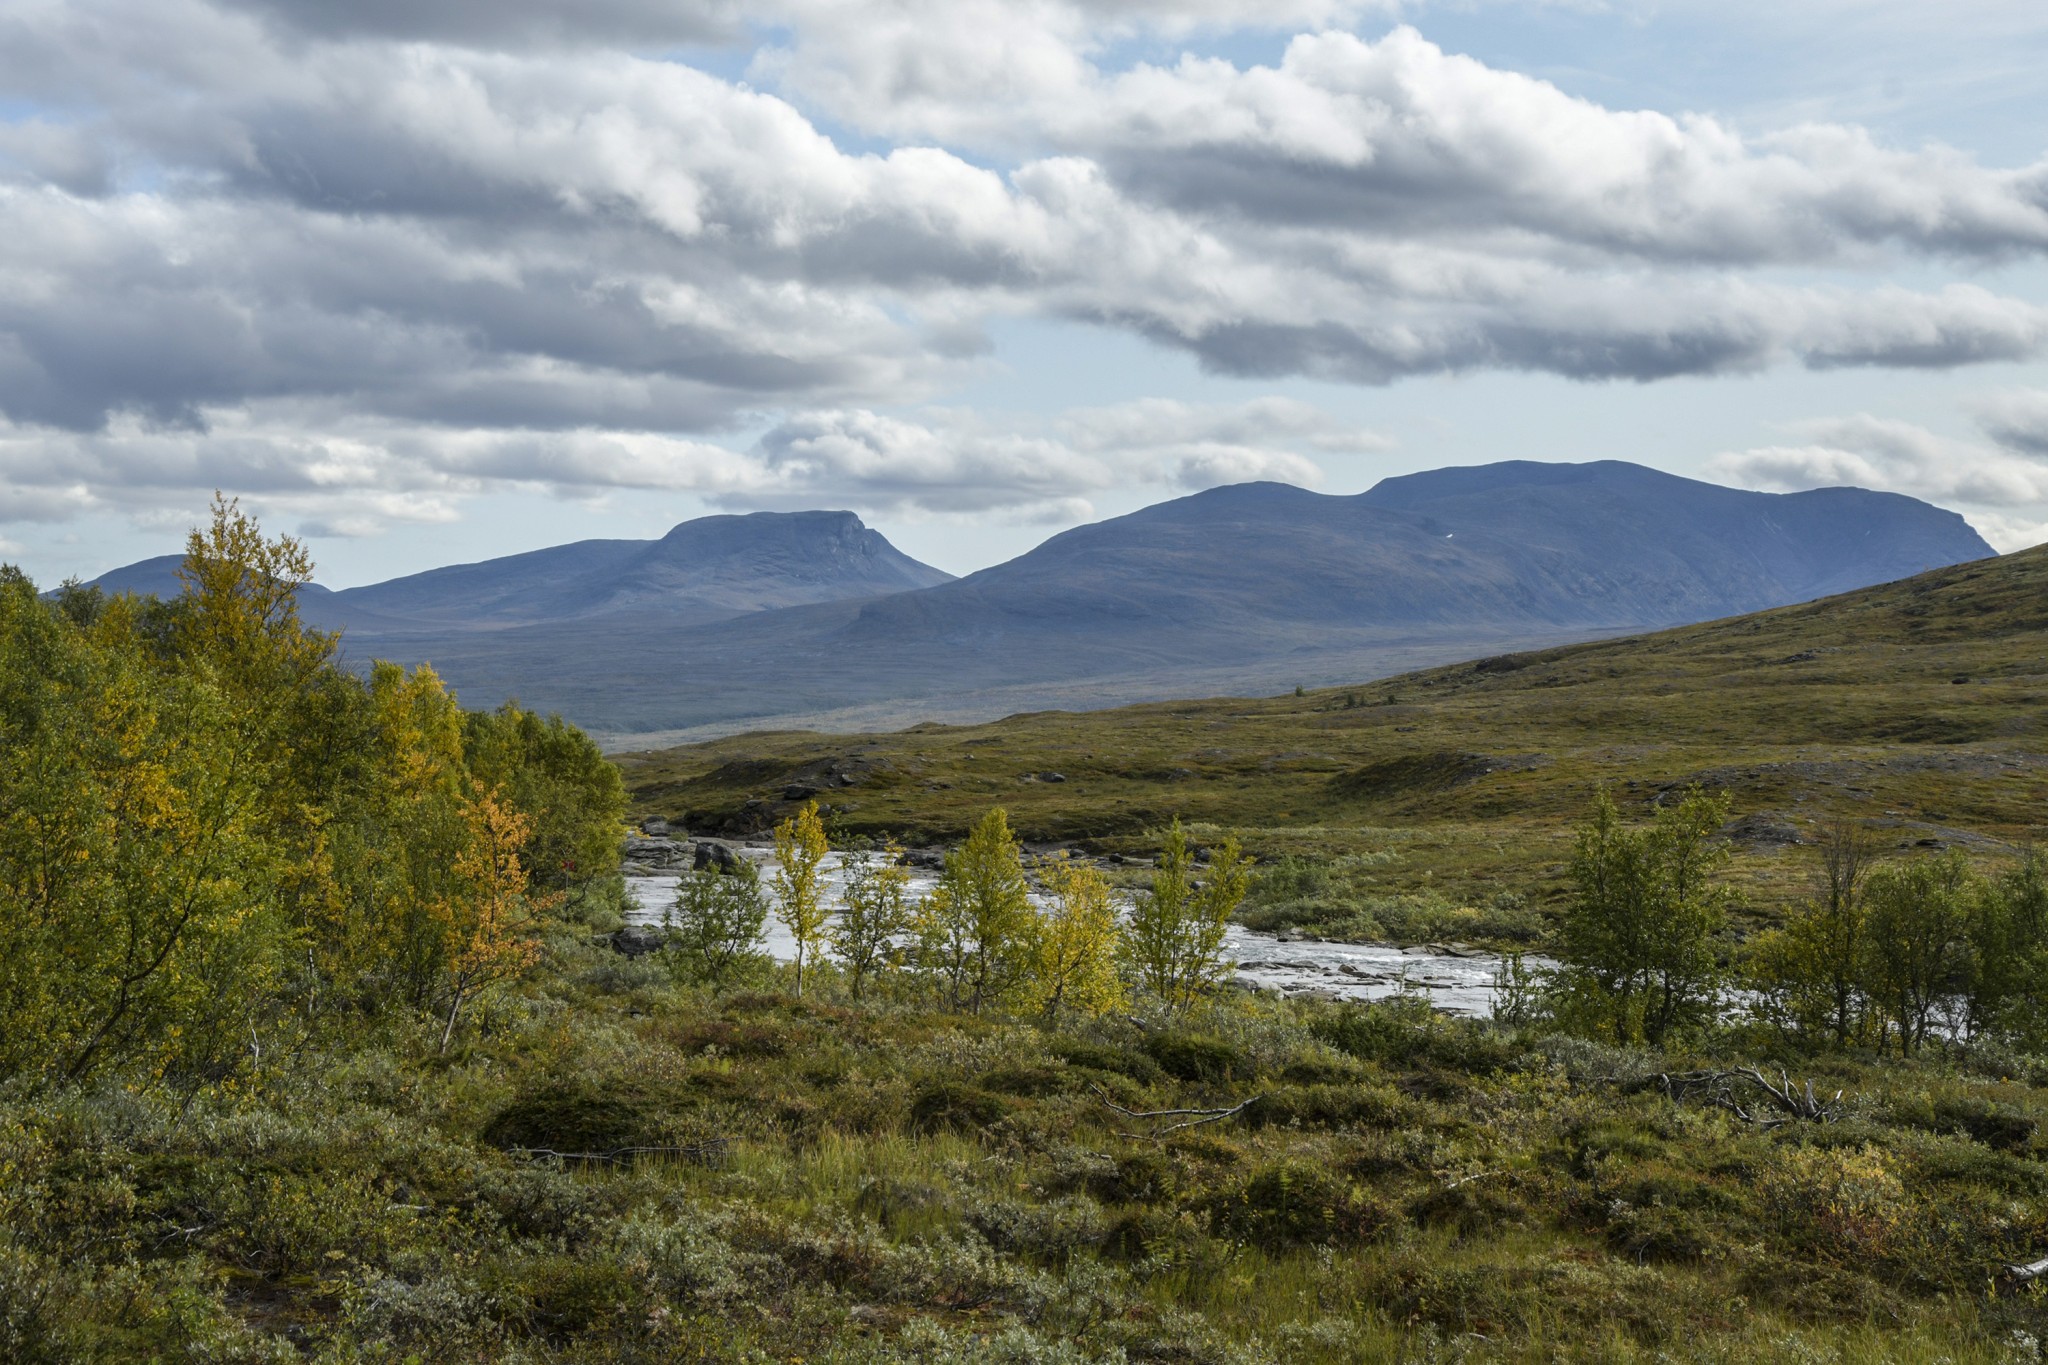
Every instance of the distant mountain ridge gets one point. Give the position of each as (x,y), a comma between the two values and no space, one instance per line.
(707,569)
(702,570)
(1248,588)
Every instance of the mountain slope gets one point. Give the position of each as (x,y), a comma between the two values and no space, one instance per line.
(1249,587)
(702,570)
(705,569)
(1920,706)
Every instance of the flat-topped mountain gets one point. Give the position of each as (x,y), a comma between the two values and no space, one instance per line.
(1248,588)
(703,570)
(707,569)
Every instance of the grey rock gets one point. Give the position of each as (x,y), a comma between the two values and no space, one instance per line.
(655,827)
(638,940)
(718,856)
(642,851)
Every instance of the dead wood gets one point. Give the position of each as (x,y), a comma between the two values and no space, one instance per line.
(1737,1091)
(702,1153)
(1201,1116)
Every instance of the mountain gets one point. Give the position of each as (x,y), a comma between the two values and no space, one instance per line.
(1247,588)
(707,569)
(1913,707)
(703,570)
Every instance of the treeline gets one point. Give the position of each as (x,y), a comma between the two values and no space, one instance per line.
(1886,954)
(217,844)
(977,941)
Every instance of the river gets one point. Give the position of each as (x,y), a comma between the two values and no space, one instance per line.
(1455,980)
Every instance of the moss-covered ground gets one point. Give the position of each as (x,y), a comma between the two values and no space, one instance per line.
(848,1182)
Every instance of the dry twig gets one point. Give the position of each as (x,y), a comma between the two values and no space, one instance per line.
(1791,1103)
(704,1153)
(1202,1115)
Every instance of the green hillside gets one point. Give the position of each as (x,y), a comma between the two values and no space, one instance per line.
(1918,705)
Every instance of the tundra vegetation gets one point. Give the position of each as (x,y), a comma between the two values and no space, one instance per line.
(314,1046)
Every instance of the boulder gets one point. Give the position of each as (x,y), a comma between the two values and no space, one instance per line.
(656,828)
(654,854)
(638,940)
(716,855)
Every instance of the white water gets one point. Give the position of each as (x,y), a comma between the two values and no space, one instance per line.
(1459,982)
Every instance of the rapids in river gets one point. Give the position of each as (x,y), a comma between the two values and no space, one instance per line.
(1454,979)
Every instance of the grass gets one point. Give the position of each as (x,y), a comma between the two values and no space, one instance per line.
(1921,706)
(1407,1188)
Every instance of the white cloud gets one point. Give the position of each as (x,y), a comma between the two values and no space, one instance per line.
(2018,420)
(363,473)
(369,260)
(960,462)
(2005,495)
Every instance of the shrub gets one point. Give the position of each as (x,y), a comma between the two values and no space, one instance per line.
(569,1118)
(1097,1057)
(1052,1232)
(1332,1106)
(1997,1127)
(951,1105)
(566,1294)
(1191,1057)
(1835,1202)
(1407,1032)
(1295,1203)
(1132,1178)
(1034,1082)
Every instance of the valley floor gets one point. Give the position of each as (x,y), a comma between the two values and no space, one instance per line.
(621,1169)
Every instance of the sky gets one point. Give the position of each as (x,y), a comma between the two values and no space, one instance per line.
(424,284)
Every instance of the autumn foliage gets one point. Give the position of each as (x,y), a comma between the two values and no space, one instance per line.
(217,842)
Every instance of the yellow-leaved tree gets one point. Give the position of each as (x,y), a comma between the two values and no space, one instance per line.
(976,929)
(799,882)
(874,914)
(488,918)
(414,817)
(138,924)
(1173,945)
(1077,941)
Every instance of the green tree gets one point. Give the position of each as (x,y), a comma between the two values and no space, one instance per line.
(1076,966)
(874,915)
(1639,932)
(1917,946)
(138,920)
(976,928)
(1173,943)
(713,928)
(799,880)
(561,780)
(2009,953)
(1808,975)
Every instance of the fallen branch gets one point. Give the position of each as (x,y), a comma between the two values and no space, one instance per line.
(2028,1273)
(1791,1102)
(1201,1116)
(704,1153)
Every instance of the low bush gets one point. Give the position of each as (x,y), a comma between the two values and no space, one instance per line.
(571,1118)
(1295,1203)
(953,1106)
(1192,1057)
